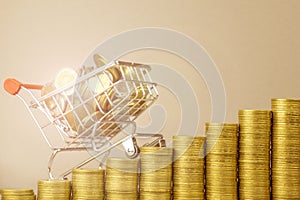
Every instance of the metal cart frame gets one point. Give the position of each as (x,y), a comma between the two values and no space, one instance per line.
(92,111)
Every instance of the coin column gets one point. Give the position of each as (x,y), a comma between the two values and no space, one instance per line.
(188,168)
(121,179)
(286,149)
(88,184)
(156,173)
(54,190)
(17,194)
(221,161)
(254,154)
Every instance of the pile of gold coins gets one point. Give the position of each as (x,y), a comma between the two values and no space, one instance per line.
(188,167)
(254,154)
(221,161)
(17,194)
(54,190)
(121,179)
(259,159)
(286,149)
(88,184)
(156,173)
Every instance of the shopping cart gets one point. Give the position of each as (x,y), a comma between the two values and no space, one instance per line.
(96,111)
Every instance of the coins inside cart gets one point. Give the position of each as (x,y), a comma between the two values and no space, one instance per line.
(138,99)
(99,125)
(54,189)
(129,70)
(254,153)
(221,161)
(96,90)
(105,78)
(65,76)
(75,116)
(156,172)
(56,104)
(88,184)
(99,60)
(188,167)
(17,194)
(103,81)
(285,148)
(106,99)
(121,178)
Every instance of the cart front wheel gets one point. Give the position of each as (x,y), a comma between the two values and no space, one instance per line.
(133,152)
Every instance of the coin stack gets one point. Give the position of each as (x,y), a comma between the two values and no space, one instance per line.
(88,184)
(17,194)
(156,173)
(254,154)
(121,179)
(286,149)
(221,161)
(188,168)
(54,190)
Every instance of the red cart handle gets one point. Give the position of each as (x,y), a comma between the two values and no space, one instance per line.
(12,86)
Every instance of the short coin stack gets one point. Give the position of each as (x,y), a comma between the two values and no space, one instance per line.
(286,149)
(121,179)
(156,173)
(54,190)
(88,184)
(254,154)
(17,194)
(188,168)
(221,161)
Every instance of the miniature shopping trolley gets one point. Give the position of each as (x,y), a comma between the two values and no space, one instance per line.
(96,110)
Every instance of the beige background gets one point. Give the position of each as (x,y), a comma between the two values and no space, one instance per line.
(255,45)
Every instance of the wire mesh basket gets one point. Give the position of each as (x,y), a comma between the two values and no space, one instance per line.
(91,110)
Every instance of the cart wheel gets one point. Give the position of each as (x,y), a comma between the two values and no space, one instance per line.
(162,143)
(133,153)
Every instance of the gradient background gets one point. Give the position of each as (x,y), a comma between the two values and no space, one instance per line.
(255,45)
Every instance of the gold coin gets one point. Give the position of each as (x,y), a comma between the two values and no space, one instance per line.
(188,167)
(221,161)
(99,60)
(254,153)
(50,189)
(285,148)
(156,172)
(55,104)
(64,77)
(121,177)
(88,184)
(99,125)
(17,194)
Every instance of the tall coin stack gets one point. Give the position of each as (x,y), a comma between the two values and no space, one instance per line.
(88,184)
(188,168)
(254,154)
(286,149)
(156,173)
(221,161)
(54,190)
(121,179)
(17,194)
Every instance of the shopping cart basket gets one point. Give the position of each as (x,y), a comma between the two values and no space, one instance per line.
(95,111)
